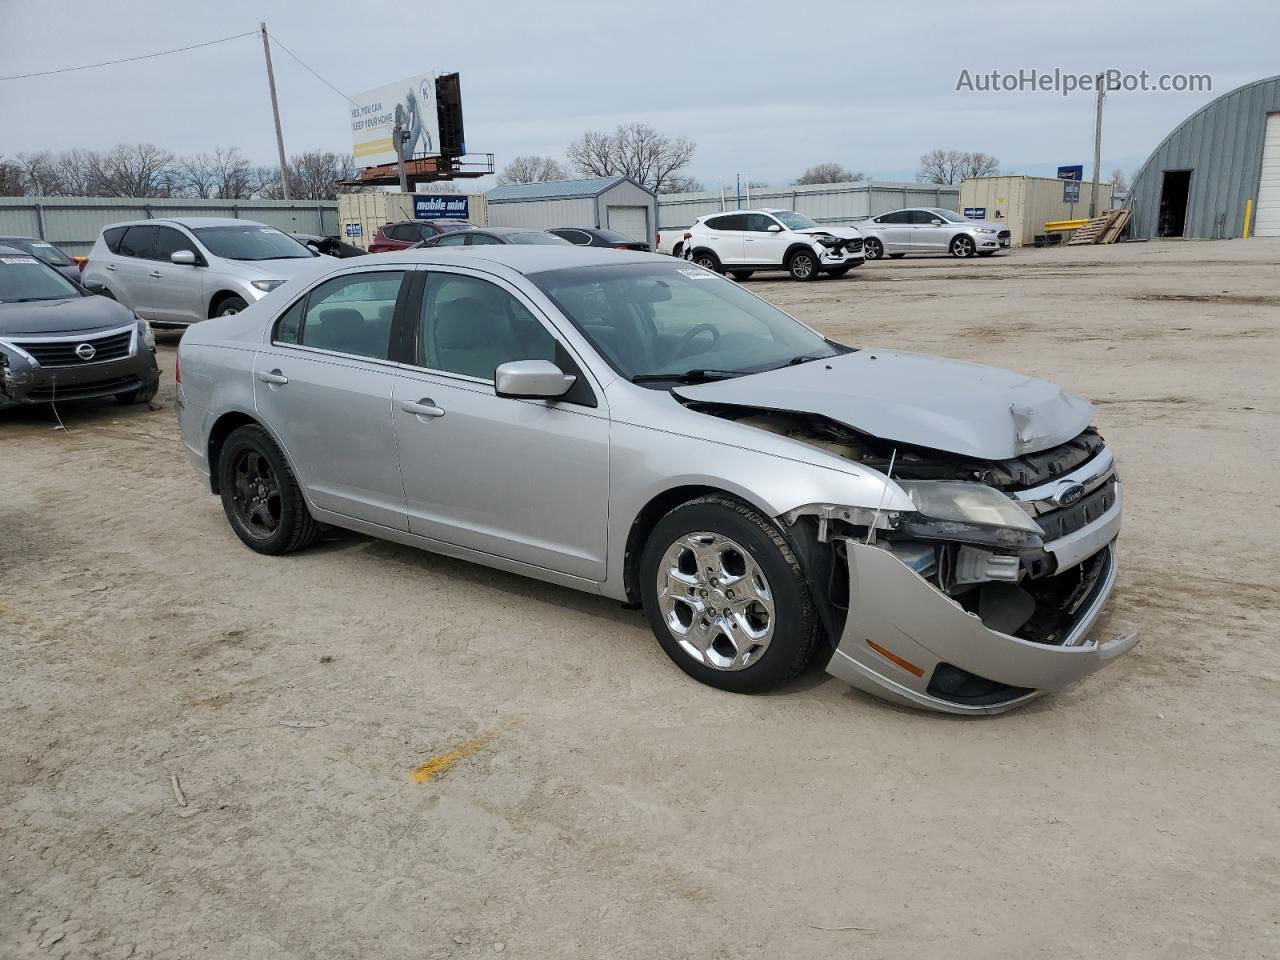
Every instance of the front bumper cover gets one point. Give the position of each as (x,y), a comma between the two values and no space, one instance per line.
(900,630)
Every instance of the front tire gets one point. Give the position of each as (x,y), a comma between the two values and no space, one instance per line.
(141,395)
(725,596)
(896,256)
(803,265)
(873,249)
(261,496)
(741,274)
(963,246)
(229,306)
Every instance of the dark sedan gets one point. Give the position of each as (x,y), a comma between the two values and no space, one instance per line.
(597,237)
(59,342)
(330,246)
(46,251)
(491,235)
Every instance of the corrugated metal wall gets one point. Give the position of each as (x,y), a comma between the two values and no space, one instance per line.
(628,194)
(541,214)
(824,202)
(73,223)
(1023,204)
(1221,144)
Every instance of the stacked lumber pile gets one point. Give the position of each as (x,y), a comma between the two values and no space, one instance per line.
(1102,229)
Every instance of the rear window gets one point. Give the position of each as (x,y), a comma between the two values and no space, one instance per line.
(612,236)
(537,238)
(24,278)
(111,237)
(455,225)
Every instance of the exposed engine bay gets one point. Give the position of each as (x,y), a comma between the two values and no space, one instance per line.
(1015,588)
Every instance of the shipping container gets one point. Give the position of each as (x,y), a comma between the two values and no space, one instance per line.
(361,214)
(1026,204)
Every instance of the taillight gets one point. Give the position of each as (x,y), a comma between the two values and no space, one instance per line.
(82,262)
(621,247)
(658,239)
(177,368)
(688,236)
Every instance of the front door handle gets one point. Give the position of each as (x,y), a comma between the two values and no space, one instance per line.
(155,273)
(424,409)
(275,378)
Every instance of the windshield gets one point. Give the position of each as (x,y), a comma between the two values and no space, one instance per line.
(24,278)
(949,215)
(252,242)
(537,238)
(41,248)
(793,220)
(454,226)
(651,320)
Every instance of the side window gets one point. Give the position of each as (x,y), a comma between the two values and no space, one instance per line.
(289,326)
(481,239)
(469,326)
(169,241)
(730,221)
(401,232)
(351,314)
(898,216)
(759,223)
(923,217)
(422,231)
(138,242)
(112,238)
(451,240)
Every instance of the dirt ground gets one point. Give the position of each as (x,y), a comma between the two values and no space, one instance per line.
(589,799)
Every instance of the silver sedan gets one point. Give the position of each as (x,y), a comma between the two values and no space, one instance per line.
(930,230)
(936,533)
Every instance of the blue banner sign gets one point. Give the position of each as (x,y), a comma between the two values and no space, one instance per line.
(1073,172)
(1070,191)
(352,229)
(975,213)
(440,206)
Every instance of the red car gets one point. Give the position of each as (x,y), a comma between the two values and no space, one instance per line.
(402,235)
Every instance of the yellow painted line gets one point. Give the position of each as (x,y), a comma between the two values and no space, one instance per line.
(441,763)
(1248,215)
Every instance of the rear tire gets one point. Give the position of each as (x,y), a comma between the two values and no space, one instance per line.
(741,274)
(765,628)
(708,261)
(141,395)
(873,249)
(261,496)
(803,265)
(896,256)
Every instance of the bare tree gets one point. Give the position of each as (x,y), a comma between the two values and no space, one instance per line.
(828,173)
(531,169)
(133,170)
(313,175)
(634,150)
(225,175)
(11,183)
(39,178)
(682,185)
(951,166)
(1119,181)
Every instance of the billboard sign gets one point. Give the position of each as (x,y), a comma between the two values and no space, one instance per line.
(373,117)
(1073,172)
(440,206)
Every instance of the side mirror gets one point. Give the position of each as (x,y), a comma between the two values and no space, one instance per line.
(531,380)
(774,228)
(184,257)
(936,223)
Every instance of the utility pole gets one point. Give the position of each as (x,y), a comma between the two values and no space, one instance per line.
(398,138)
(1097,146)
(275,112)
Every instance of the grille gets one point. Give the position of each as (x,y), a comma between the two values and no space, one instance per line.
(853,246)
(1004,235)
(1058,523)
(62,353)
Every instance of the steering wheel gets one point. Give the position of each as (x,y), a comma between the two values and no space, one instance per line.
(679,349)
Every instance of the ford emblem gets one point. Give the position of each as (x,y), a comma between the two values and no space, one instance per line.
(1068,493)
(86,351)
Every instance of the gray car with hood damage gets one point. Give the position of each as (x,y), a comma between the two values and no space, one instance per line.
(937,533)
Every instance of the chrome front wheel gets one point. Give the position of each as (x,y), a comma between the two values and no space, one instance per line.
(716,601)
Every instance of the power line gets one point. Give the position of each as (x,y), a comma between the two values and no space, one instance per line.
(111,63)
(280,43)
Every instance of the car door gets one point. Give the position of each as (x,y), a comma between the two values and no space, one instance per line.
(762,246)
(725,236)
(324,383)
(127,271)
(929,232)
(895,231)
(175,289)
(527,480)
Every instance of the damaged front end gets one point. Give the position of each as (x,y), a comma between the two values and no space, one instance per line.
(983,596)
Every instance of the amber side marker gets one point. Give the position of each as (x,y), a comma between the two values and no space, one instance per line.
(892,657)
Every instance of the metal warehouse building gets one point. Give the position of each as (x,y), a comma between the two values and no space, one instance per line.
(1216,172)
(614,203)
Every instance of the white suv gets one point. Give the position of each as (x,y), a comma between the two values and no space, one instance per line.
(744,241)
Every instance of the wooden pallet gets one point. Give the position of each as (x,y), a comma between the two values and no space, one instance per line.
(1101,229)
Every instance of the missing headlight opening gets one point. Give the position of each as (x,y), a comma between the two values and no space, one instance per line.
(1001,573)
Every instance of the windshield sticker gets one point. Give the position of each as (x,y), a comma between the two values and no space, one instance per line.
(49,245)
(697,274)
(17,259)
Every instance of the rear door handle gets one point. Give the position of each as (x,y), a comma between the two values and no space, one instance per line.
(155,273)
(110,266)
(424,408)
(275,378)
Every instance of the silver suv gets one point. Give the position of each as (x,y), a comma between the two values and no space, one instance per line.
(177,272)
(932,230)
(744,241)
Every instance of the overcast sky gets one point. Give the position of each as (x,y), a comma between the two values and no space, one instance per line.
(763,89)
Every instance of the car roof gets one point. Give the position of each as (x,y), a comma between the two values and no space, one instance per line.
(17,236)
(508,231)
(11,251)
(397,223)
(527,258)
(191,223)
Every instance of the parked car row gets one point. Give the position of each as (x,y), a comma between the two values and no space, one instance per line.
(448,233)
(740,242)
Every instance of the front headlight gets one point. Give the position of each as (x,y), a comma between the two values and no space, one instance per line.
(958,510)
(986,229)
(148,335)
(266,286)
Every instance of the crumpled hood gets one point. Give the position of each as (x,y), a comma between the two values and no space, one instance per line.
(949,405)
(847,233)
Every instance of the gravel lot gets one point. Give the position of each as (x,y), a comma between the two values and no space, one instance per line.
(602,804)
